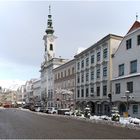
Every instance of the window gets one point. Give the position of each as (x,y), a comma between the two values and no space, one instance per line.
(117,88)
(135,109)
(51,47)
(138,40)
(72,70)
(105,71)
(61,74)
(68,71)
(121,69)
(78,65)
(78,79)
(82,92)
(98,56)
(92,90)
(55,76)
(92,75)
(98,91)
(87,76)
(82,77)
(98,73)
(104,90)
(58,75)
(128,44)
(87,93)
(87,61)
(105,53)
(130,86)
(92,59)
(82,64)
(78,93)
(133,66)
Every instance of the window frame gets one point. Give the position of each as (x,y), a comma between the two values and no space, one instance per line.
(105,51)
(135,110)
(117,88)
(98,91)
(128,44)
(121,70)
(130,86)
(132,68)
(105,71)
(87,92)
(98,56)
(92,59)
(104,89)
(138,40)
(98,73)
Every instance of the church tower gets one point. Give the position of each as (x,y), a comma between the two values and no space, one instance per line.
(49,39)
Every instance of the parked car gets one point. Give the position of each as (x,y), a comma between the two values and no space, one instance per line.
(69,113)
(43,109)
(52,110)
(26,106)
(63,111)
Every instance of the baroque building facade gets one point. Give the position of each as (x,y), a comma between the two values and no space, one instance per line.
(93,75)
(64,85)
(126,73)
(50,62)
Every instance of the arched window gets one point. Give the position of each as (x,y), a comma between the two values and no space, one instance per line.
(51,47)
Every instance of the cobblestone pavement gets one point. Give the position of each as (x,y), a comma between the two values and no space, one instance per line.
(19,124)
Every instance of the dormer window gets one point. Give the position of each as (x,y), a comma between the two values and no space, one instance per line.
(128,44)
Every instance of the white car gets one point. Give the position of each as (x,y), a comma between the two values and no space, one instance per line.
(52,110)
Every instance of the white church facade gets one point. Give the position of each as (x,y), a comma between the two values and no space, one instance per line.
(50,62)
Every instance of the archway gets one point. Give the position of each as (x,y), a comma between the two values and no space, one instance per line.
(106,108)
(77,105)
(92,107)
(83,105)
(122,108)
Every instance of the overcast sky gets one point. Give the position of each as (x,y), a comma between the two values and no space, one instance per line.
(76,23)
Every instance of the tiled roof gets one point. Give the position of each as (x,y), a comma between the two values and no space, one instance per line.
(134,26)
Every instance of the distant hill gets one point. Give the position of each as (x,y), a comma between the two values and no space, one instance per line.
(11,84)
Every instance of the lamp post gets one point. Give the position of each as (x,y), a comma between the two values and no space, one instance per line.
(127,94)
(110,102)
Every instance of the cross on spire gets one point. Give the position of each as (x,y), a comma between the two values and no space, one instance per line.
(49,9)
(136,16)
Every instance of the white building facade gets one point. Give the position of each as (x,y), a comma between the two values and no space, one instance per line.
(126,73)
(50,62)
(93,75)
(37,91)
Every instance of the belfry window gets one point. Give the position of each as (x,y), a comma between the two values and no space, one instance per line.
(51,47)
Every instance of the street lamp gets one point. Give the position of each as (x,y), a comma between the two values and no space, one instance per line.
(127,95)
(110,101)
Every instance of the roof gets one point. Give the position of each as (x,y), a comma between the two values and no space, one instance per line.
(134,26)
(99,42)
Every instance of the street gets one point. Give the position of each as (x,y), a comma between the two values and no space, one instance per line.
(20,124)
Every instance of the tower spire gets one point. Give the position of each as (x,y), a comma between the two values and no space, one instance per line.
(49,29)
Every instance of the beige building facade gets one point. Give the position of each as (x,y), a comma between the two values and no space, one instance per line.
(64,85)
(93,75)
